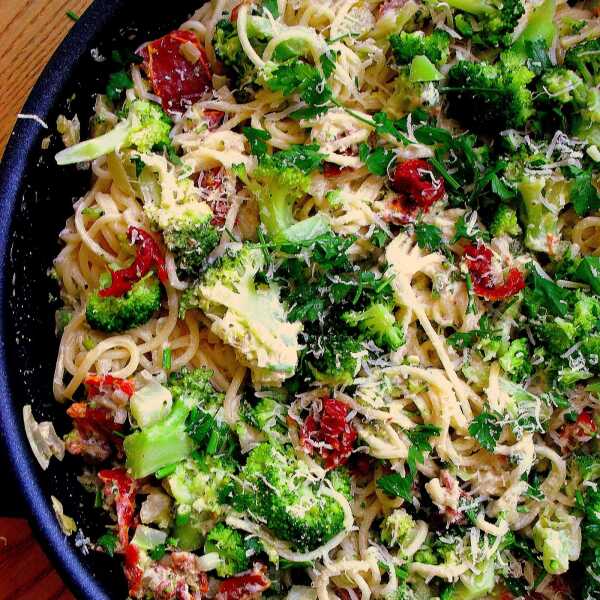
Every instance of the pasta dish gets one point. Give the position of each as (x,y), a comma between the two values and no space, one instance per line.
(331,323)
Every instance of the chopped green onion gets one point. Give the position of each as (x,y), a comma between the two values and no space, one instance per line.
(165,471)
(72,15)
(166,359)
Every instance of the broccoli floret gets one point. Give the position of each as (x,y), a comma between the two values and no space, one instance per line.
(588,466)
(490,98)
(516,360)
(590,552)
(334,359)
(191,237)
(379,324)
(408,95)
(505,222)
(278,490)
(488,23)
(584,58)
(475,585)
(564,86)
(247,316)
(120,313)
(540,211)
(229,545)
(277,186)
(268,416)
(407,46)
(586,312)
(196,486)
(146,127)
(554,536)
(396,528)
(558,335)
(590,350)
(167,442)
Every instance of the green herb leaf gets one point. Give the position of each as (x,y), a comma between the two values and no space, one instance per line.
(588,271)
(396,486)
(257,138)
(429,237)
(108,541)
(584,195)
(272,7)
(550,295)
(486,430)
(117,84)
(377,160)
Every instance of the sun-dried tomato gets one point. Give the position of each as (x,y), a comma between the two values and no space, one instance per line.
(479,263)
(148,256)
(213,118)
(175,80)
(133,571)
(331,170)
(580,432)
(330,433)
(123,489)
(245,586)
(103,384)
(418,189)
(236,10)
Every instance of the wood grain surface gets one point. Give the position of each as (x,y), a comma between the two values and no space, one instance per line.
(30,31)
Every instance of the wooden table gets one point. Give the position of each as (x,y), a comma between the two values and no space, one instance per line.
(30,31)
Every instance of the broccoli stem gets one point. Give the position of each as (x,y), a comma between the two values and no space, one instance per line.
(473,7)
(159,445)
(95,147)
(540,27)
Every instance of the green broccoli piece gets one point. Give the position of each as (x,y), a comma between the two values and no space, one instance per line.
(277,186)
(397,528)
(590,350)
(247,316)
(378,323)
(584,58)
(407,46)
(268,416)
(197,487)
(590,551)
(475,585)
(564,86)
(489,23)
(167,442)
(586,313)
(540,211)
(588,465)
(409,95)
(505,222)
(278,490)
(516,360)
(553,536)
(558,335)
(490,98)
(190,236)
(120,313)
(146,127)
(229,545)
(334,359)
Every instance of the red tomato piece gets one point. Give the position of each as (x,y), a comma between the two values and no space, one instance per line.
(148,256)
(418,186)
(133,572)
(479,263)
(246,586)
(121,487)
(331,170)
(580,432)
(100,384)
(213,118)
(175,80)
(330,433)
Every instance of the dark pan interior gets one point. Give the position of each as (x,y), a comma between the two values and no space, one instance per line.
(36,197)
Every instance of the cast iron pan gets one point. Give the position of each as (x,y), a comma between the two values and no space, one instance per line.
(36,197)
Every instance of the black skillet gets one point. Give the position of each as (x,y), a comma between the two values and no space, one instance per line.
(36,197)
